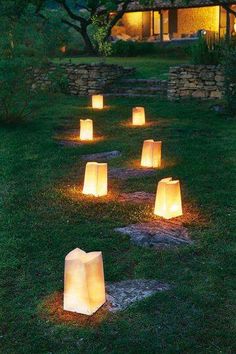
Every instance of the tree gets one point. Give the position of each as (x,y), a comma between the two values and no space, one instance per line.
(79,15)
(23,46)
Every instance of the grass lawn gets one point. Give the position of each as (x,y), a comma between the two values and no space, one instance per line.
(147,67)
(43,218)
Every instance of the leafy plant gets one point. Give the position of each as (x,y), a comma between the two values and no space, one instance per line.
(229,65)
(24,47)
(131,48)
(58,80)
(134,48)
(15,94)
(104,47)
(207,51)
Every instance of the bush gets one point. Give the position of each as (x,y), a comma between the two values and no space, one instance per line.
(15,92)
(103,46)
(207,51)
(229,65)
(132,49)
(59,80)
(25,44)
(20,49)
(75,46)
(214,52)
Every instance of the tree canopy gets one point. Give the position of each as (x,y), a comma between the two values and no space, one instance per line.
(80,14)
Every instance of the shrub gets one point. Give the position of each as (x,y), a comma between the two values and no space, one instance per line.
(229,65)
(24,46)
(103,46)
(59,80)
(207,51)
(19,50)
(15,93)
(131,49)
(75,46)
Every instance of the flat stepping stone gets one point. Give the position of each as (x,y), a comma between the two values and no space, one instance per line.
(71,138)
(148,124)
(122,294)
(101,156)
(63,131)
(125,173)
(128,95)
(137,197)
(119,296)
(70,143)
(157,234)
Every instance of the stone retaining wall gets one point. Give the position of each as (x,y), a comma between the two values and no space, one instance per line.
(185,81)
(196,81)
(81,79)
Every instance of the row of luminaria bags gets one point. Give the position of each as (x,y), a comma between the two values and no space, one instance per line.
(84,285)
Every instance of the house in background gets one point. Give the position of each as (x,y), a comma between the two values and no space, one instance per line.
(177,20)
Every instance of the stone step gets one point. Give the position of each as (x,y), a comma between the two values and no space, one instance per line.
(143,81)
(156,90)
(153,89)
(128,95)
(139,87)
(129,70)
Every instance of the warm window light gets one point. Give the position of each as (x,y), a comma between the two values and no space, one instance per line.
(63,49)
(95,179)
(168,199)
(138,116)
(84,288)
(97,101)
(151,154)
(86,129)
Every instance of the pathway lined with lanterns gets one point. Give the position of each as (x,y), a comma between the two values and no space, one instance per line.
(84,283)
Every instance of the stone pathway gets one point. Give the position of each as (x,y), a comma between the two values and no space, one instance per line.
(125,173)
(101,156)
(122,294)
(157,234)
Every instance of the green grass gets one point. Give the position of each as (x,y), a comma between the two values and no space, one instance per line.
(41,223)
(147,67)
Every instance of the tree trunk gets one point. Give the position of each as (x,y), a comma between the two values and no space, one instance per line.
(87,41)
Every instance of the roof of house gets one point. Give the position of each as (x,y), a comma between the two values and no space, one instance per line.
(168,4)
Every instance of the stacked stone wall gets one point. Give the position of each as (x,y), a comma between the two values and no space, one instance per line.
(81,79)
(196,81)
(185,81)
